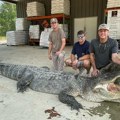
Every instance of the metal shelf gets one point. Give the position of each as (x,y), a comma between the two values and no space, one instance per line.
(62,18)
(59,16)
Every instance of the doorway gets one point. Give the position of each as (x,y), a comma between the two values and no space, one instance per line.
(88,24)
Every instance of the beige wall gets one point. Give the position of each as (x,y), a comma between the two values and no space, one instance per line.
(89,24)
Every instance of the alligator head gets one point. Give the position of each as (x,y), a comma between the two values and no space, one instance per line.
(109,90)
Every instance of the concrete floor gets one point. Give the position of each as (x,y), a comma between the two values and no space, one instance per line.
(32,105)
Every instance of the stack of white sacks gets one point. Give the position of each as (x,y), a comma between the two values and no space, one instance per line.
(113,3)
(35,9)
(44,42)
(34,32)
(60,6)
(20,36)
(22,24)
(17,37)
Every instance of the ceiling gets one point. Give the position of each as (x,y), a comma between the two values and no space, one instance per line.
(12,1)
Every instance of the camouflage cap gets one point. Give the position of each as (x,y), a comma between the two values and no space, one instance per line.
(103,26)
(54,20)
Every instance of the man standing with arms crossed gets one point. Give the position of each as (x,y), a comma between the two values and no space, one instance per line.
(57,44)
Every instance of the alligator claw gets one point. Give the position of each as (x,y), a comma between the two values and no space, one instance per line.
(76,106)
(21,87)
(23,84)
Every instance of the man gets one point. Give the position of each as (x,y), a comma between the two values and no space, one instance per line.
(103,50)
(81,49)
(57,44)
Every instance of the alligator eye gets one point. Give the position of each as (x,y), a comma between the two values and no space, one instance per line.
(117,81)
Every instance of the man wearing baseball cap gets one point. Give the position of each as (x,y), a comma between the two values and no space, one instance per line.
(104,50)
(57,42)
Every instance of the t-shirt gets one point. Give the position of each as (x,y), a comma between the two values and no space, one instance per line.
(56,38)
(81,50)
(103,51)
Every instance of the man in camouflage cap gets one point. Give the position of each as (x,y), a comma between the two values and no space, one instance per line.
(57,42)
(104,50)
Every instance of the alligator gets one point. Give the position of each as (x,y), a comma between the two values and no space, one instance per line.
(67,86)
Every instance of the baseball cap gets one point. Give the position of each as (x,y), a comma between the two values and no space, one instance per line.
(54,20)
(103,26)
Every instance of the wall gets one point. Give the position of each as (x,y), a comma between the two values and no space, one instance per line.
(89,24)
(79,9)
(87,8)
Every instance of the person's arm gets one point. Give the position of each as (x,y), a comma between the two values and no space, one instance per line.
(92,59)
(72,58)
(62,46)
(95,70)
(73,61)
(85,57)
(116,58)
(49,50)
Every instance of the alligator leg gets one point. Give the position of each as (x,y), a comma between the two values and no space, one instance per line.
(69,99)
(24,82)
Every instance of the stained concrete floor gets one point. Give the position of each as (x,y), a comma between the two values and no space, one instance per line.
(31,105)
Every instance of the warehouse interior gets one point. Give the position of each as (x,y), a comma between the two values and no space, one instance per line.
(73,14)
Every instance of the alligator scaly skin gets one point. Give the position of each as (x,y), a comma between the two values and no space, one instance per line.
(66,85)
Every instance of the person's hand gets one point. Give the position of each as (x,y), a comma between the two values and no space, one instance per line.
(50,57)
(95,73)
(74,64)
(58,52)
